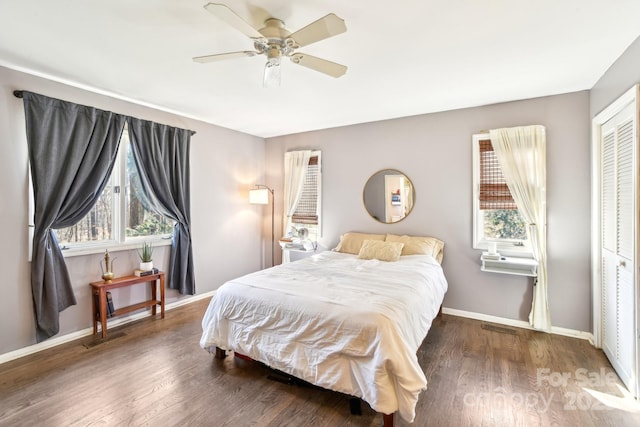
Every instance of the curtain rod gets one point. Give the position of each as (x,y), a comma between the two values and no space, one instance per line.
(18,94)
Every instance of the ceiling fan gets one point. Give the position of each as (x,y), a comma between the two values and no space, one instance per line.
(275,41)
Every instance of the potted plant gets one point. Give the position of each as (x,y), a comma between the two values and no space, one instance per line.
(146,257)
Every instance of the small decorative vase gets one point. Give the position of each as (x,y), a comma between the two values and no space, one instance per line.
(107,271)
(146,266)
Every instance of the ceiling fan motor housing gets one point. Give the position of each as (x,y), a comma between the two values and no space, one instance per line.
(276,42)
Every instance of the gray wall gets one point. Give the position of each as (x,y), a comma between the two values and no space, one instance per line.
(623,74)
(226,229)
(434,151)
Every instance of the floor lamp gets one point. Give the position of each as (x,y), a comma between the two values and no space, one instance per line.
(260,196)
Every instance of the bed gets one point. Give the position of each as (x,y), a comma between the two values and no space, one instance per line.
(349,320)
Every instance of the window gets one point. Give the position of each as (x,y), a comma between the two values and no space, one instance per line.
(121,215)
(495,215)
(308,209)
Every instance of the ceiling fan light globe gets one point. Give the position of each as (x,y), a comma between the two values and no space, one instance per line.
(272,74)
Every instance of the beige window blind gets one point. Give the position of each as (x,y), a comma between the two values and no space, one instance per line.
(307,209)
(494,192)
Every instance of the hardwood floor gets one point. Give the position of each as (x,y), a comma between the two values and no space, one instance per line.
(156,374)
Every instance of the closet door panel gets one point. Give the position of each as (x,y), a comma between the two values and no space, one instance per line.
(618,237)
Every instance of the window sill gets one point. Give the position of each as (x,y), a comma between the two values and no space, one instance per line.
(112,247)
(506,249)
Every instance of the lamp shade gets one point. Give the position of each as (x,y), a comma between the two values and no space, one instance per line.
(259,196)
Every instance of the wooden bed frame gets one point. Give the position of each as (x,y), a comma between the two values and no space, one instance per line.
(388,419)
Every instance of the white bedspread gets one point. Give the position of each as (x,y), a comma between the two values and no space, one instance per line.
(336,321)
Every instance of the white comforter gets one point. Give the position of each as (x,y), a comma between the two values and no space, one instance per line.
(336,321)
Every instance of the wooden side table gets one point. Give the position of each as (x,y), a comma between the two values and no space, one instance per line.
(100,289)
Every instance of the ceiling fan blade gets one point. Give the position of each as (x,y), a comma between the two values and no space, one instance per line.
(325,27)
(318,64)
(231,18)
(223,56)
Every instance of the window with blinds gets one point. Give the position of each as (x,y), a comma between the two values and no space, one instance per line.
(496,217)
(494,192)
(307,209)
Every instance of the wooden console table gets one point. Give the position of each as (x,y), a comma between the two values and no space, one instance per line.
(100,289)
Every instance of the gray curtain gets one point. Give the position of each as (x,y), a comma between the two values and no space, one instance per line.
(72,150)
(161,155)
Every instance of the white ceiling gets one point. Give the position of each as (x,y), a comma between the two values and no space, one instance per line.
(405,58)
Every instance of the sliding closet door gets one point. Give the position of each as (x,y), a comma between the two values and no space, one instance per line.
(618,241)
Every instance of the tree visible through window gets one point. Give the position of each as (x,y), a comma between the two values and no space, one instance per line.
(504,224)
(140,219)
(107,222)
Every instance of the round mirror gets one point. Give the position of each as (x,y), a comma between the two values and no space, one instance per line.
(388,196)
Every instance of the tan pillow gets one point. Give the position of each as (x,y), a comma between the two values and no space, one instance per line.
(419,245)
(377,249)
(350,243)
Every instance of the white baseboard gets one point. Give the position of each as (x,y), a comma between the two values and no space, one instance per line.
(52,342)
(517,323)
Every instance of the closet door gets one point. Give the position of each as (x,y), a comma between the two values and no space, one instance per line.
(618,239)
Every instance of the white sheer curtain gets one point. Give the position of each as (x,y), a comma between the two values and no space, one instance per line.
(521,152)
(295,167)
